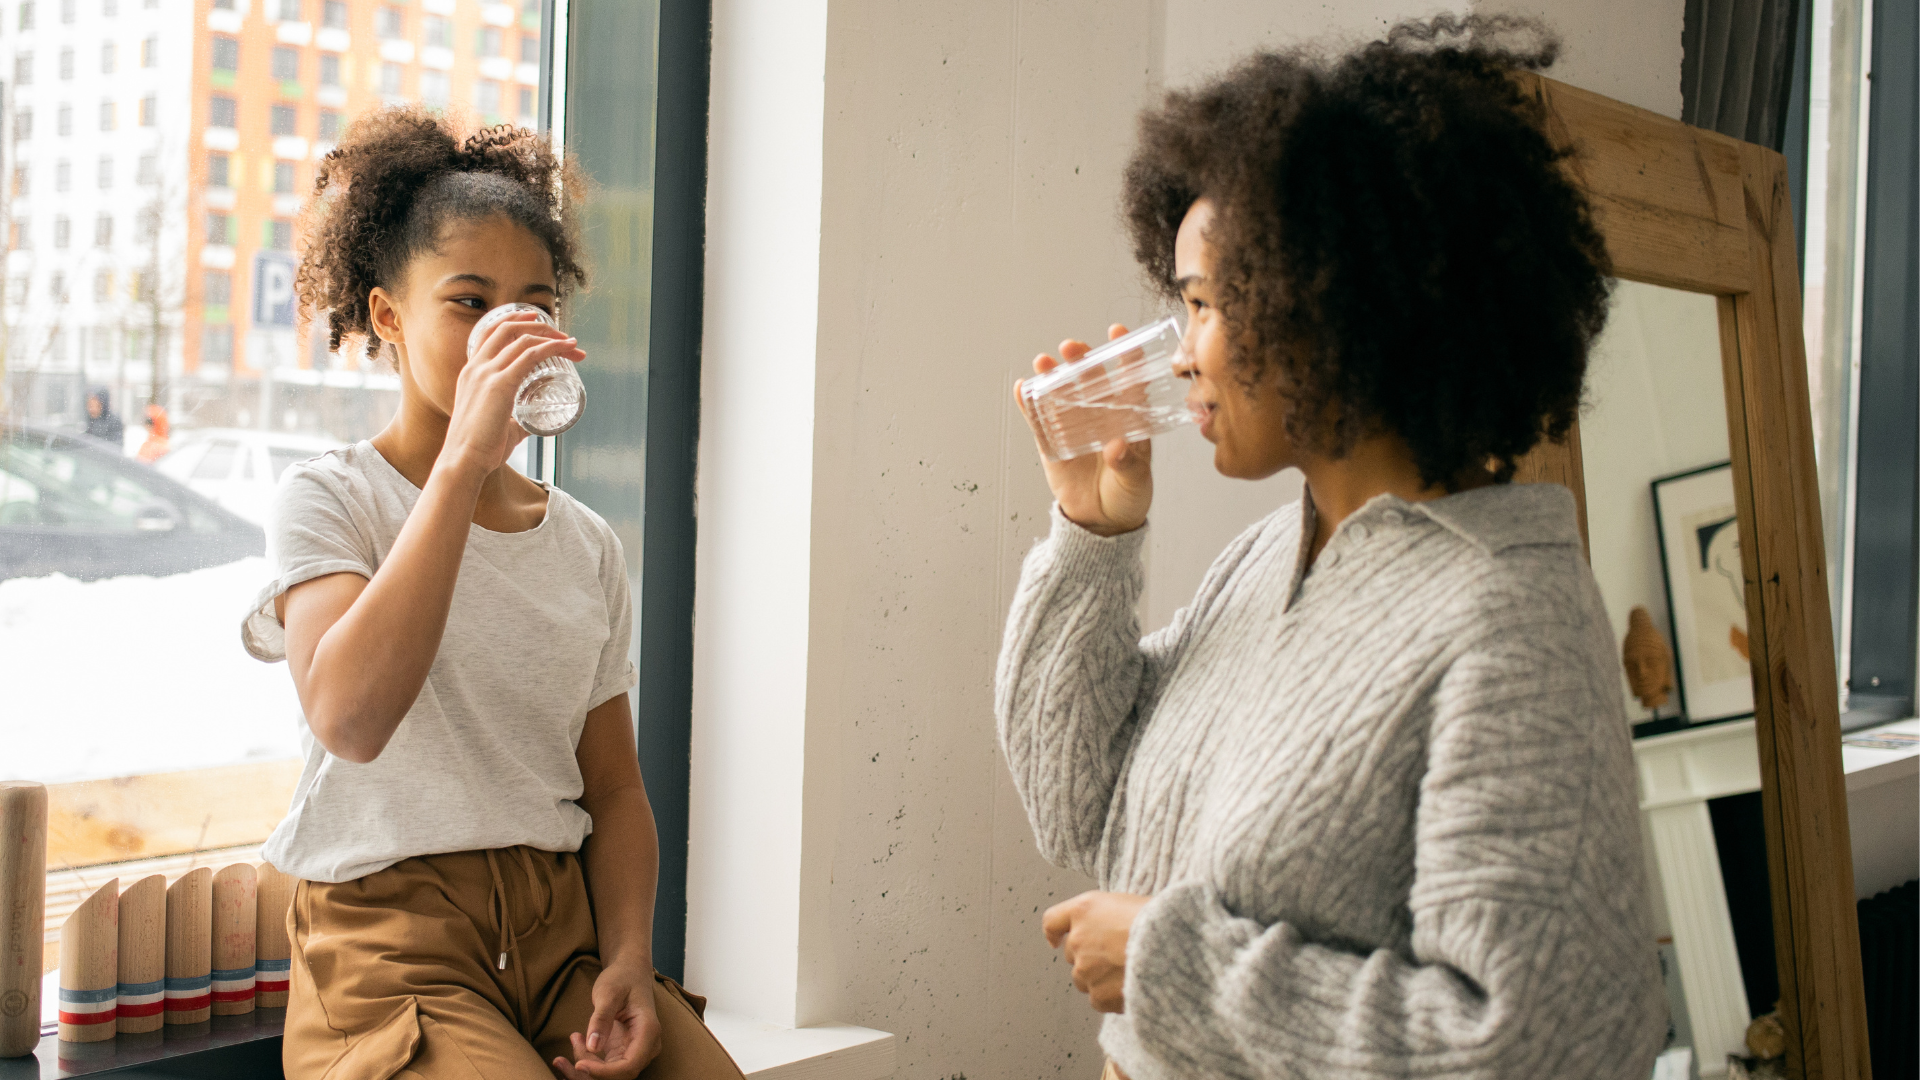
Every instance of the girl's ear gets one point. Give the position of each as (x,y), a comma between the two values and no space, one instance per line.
(383,313)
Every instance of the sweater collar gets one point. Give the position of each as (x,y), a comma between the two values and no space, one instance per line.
(1500,516)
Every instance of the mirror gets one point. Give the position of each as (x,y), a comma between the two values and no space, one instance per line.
(1749,807)
(1663,540)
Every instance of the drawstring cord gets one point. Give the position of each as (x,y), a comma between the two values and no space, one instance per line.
(503,920)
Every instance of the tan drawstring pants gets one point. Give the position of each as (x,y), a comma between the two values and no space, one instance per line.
(476,965)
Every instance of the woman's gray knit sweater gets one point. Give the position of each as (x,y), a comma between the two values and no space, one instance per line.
(1385,806)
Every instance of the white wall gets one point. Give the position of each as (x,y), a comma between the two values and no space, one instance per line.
(907,202)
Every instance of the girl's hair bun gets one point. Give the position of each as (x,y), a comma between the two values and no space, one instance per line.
(397,176)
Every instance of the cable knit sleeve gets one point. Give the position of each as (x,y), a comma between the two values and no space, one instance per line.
(1525,960)
(1075,680)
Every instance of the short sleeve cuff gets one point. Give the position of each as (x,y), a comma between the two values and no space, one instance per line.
(609,689)
(260,631)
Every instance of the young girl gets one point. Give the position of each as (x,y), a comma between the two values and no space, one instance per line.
(476,850)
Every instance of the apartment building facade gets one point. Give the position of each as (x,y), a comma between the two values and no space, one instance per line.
(241,101)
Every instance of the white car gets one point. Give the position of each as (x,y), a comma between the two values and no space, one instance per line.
(239,467)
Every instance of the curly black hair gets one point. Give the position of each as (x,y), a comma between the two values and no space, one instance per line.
(1395,239)
(396,178)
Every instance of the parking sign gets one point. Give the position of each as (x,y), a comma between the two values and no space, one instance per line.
(272,289)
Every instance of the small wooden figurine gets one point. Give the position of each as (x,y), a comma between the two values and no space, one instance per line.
(143,955)
(1648,660)
(235,911)
(190,947)
(90,967)
(23,899)
(272,963)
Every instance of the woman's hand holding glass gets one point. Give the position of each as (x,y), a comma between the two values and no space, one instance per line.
(1106,493)
(482,429)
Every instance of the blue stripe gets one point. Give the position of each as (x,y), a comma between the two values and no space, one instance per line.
(89,997)
(136,989)
(273,965)
(232,974)
(192,982)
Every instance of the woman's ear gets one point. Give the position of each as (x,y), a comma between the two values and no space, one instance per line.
(383,313)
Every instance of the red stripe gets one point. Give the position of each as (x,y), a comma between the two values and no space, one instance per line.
(272,987)
(87,1018)
(233,995)
(189,1004)
(151,1008)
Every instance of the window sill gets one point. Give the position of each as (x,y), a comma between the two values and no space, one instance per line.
(249,1046)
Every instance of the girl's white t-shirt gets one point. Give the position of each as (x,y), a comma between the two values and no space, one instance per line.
(537,635)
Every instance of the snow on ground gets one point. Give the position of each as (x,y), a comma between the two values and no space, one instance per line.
(135,675)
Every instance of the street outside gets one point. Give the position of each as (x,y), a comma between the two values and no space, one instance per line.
(134,675)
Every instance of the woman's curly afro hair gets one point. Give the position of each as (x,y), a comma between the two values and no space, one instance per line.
(1396,245)
(400,174)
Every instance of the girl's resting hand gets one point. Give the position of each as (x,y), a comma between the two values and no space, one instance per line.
(1094,928)
(1106,493)
(623,1037)
(482,430)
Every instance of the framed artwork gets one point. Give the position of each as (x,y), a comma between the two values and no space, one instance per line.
(1706,592)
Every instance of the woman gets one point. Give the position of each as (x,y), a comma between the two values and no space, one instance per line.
(1366,808)
(477,852)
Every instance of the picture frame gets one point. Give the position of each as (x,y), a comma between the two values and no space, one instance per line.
(1697,519)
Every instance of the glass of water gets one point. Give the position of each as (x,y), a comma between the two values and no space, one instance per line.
(552,397)
(1125,389)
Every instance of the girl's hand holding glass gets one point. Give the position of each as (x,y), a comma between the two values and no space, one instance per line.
(507,353)
(1107,493)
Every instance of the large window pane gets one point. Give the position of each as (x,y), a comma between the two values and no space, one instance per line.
(149,271)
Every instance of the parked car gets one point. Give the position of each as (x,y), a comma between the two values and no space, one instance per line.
(238,467)
(72,505)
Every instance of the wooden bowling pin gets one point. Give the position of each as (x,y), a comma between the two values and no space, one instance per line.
(23,907)
(90,967)
(143,955)
(272,953)
(190,947)
(235,911)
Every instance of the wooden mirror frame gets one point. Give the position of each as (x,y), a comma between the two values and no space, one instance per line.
(1695,210)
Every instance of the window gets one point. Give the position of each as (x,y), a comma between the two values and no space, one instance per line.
(63,121)
(283,178)
(23,69)
(216,287)
(109,115)
(216,346)
(220,228)
(21,238)
(333,15)
(329,125)
(57,286)
(433,88)
(486,41)
(63,175)
(146,223)
(20,185)
(527,117)
(102,286)
(67,11)
(23,124)
(62,231)
(106,173)
(436,31)
(109,58)
(486,99)
(286,62)
(226,53)
(529,48)
(26,15)
(150,51)
(149,110)
(17,289)
(103,231)
(284,119)
(329,69)
(222,5)
(387,22)
(217,166)
(148,171)
(66,63)
(109,8)
(287,11)
(390,79)
(278,235)
(220,111)
(144,290)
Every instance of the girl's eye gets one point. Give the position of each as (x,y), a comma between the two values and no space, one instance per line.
(473,302)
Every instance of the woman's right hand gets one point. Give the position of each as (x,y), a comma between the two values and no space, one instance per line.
(1106,493)
(482,430)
